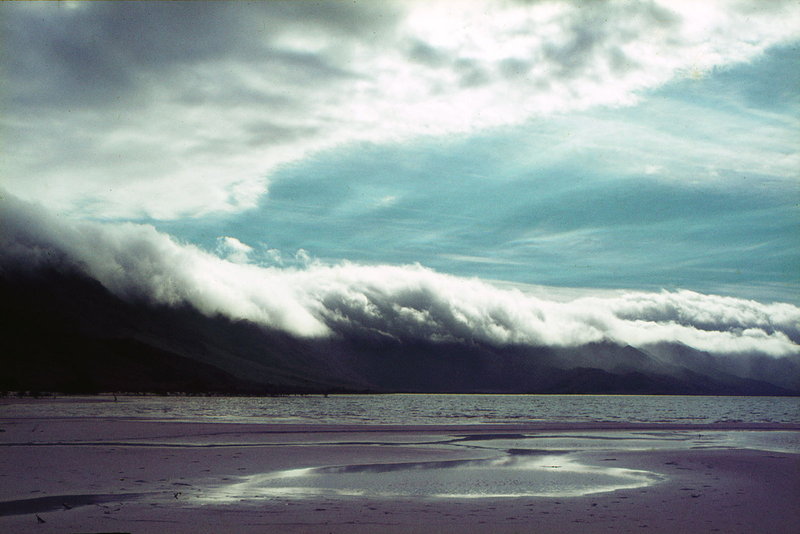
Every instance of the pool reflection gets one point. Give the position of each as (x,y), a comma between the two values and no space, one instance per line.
(515,475)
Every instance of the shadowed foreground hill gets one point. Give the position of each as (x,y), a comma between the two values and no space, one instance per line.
(62,331)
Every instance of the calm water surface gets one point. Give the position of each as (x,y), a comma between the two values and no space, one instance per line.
(498,464)
(421,409)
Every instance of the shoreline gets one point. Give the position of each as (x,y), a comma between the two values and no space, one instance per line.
(283,428)
(129,475)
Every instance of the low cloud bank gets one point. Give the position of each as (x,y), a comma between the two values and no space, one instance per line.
(404,302)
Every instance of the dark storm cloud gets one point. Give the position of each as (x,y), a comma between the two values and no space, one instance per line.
(111,108)
(100,51)
(167,94)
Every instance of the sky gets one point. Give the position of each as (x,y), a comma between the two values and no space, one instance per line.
(525,155)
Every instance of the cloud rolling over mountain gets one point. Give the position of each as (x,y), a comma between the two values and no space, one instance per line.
(477,189)
(410,302)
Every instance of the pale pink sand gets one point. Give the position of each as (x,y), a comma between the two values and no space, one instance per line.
(702,490)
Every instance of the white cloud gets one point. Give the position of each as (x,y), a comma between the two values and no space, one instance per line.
(303,256)
(405,302)
(233,250)
(387,201)
(174,110)
(479,259)
(274,256)
(652,169)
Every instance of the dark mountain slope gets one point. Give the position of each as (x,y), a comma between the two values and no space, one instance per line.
(66,332)
(62,331)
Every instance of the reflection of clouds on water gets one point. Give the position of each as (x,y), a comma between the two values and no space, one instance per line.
(504,476)
(774,441)
(771,440)
(546,465)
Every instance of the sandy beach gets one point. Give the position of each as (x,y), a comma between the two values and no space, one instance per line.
(117,475)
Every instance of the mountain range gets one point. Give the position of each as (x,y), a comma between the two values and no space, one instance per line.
(64,331)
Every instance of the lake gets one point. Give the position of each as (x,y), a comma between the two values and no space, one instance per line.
(420,409)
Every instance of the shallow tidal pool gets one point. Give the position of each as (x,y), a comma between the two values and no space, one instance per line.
(516,475)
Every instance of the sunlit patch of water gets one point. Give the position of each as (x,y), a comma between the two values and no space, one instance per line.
(505,476)
(774,441)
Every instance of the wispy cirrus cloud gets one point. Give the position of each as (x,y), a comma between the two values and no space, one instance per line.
(178,109)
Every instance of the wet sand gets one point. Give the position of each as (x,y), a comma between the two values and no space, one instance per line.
(89,475)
